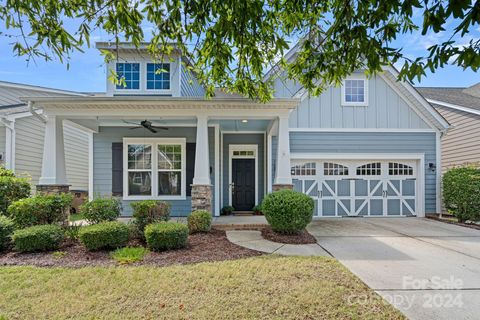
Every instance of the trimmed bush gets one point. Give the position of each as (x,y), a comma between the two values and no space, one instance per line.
(461,192)
(257,210)
(199,221)
(7,227)
(101,210)
(227,210)
(11,189)
(38,238)
(40,209)
(166,236)
(104,235)
(150,211)
(288,211)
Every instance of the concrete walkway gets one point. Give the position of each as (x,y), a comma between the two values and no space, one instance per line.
(253,240)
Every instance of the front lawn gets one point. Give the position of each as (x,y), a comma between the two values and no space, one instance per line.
(264,287)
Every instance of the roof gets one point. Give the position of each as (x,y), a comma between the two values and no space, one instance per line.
(463,97)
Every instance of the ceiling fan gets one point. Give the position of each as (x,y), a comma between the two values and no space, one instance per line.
(146,125)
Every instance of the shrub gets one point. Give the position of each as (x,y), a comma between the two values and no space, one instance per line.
(40,209)
(38,238)
(129,254)
(7,227)
(199,221)
(150,211)
(227,210)
(288,211)
(11,189)
(166,235)
(461,190)
(257,210)
(104,235)
(101,210)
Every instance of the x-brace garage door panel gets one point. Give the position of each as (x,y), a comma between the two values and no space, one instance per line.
(358,187)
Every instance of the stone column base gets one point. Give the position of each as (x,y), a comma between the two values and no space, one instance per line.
(53,188)
(202,197)
(277,187)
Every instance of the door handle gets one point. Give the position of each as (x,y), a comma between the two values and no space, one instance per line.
(384,193)
(232,186)
(320,193)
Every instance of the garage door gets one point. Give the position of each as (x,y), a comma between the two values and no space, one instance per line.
(358,187)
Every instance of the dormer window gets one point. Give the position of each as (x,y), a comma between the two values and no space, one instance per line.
(158,76)
(355,91)
(130,72)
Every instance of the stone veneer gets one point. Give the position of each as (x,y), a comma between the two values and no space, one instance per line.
(53,188)
(277,187)
(202,197)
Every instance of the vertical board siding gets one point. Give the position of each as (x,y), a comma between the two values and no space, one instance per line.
(30,134)
(343,142)
(190,87)
(102,161)
(461,144)
(254,138)
(386,109)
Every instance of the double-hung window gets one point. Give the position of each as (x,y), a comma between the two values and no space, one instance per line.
(355,91)
(154,168)
(130,74)
(158,76)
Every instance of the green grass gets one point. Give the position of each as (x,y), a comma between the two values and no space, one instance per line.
(76,217)
(129,254)
(267,287)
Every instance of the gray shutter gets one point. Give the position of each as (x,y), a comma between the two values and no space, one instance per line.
(117,169)
(190,166)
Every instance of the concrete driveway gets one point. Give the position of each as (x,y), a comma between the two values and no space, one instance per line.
(427,269)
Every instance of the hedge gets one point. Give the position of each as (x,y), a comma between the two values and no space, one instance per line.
(199,221)
(166,236)
(38,238)
(101,210)
(105,235)
(461,192)
(149,211)
(7,227)
(11,189)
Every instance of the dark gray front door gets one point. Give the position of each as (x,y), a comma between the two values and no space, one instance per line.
(243,179)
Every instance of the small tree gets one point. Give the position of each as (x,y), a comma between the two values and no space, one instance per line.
(461,192)
(12,189)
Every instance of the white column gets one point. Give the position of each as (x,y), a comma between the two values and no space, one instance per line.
(9,144)
(282,174)
(53,165)
(202,166)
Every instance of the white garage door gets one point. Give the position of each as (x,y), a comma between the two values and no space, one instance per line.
(358,187)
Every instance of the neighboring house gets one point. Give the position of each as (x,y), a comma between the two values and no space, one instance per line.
(370,147)
(22,136)
(461,108)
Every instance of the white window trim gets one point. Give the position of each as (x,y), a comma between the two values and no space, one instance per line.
(143,79)
(355,104)
(242,147)
(139,77)
(154,142)
(163,91)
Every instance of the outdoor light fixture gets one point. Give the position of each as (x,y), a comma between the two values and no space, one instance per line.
(244,121)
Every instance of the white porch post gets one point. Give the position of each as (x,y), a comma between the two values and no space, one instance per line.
(53,178)
(201,186)
(283,177)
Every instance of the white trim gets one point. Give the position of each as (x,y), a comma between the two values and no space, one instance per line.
(242,147)
(438,172)
(140,82)
(243,132)
(355,76)
(156,91)
(154,170)
(269,163)
(38,88)
(357,156)
(10,137)
(217,170)
(90,166)
(384,130)
(454,106)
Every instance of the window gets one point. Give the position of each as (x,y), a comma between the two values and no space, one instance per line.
(334,169)
(355,92)
(307,169)
(130,72)
(369,169)
(155,168)
(244,153)
(158,76)
(399,169)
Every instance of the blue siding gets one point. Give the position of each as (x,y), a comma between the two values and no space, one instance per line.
(102,160)
(190,87)
(346,142)
(258,139)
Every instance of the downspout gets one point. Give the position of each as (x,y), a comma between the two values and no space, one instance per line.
(33,111)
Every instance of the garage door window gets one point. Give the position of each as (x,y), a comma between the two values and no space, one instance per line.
(334,169)
(370,169)
(399,169)
(306,169)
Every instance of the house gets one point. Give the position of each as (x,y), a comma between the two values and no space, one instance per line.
(461,108)
(22,136)
(368,148)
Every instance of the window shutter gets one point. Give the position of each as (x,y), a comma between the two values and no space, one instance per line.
(117,169)
(190,167)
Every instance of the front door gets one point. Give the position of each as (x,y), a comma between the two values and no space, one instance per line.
(243,184)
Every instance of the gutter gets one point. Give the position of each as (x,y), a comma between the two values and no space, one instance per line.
(40,117)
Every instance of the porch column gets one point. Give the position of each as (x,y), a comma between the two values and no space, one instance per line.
(283,177)
(202,187)
(54,177)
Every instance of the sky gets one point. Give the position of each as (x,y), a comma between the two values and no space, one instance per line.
(87,72)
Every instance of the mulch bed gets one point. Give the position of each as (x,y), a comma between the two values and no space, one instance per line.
(302,238)
(202,247)
(453,221)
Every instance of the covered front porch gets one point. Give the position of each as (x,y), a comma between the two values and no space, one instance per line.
(195,154)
